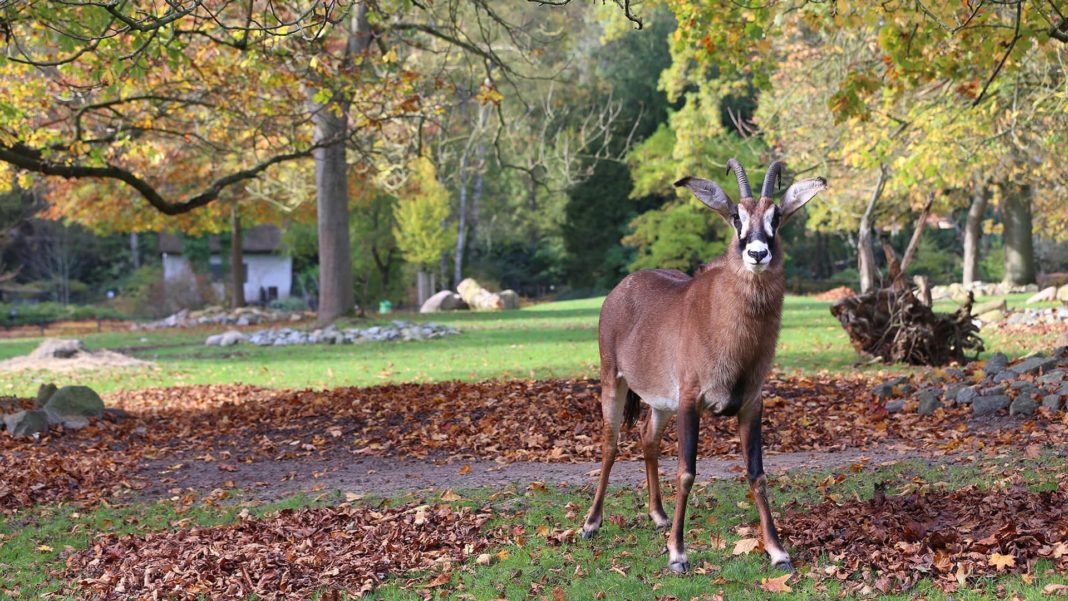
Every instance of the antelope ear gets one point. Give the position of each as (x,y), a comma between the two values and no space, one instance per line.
(799,194)
(709,193)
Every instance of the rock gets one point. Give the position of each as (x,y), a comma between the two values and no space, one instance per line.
(1046,294)
(213,340)
(895,406)
(446,300)
(231,338)
(1052,402)
(75,401)
(886,389)
(996,363)
(477,297)
(1034,364)
(985,405)
(955,373)
(1004,376)
(1022,385)
(929,401)
(45,392)
(58,348)
(952,391)
(510,299)
(1053,377)
(1062,293)
(468,288)
(26,423)
(991,316)
(988,306)
(1024,406)
(116,413)
(967,395)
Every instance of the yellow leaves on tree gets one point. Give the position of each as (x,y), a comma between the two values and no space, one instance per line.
(420,214)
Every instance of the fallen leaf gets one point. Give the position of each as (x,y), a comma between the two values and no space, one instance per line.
(745,546)
(1001,561)
(776,585)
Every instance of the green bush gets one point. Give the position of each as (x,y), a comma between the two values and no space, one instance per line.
(22,314)
(293,303)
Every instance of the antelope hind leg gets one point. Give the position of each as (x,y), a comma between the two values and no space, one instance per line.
(613,397)
(651,433)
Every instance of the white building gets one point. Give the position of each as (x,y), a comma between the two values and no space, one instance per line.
(268,273)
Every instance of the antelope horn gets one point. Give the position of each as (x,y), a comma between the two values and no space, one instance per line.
(743,181)
(773,179)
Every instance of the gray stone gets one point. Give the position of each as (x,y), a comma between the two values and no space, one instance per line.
(1004,376)
(510,299)
(996,363)
(886,389)
(929,401)
(58,348)
(1034,365)
(446,300)
(1062,293)
(45,392)
(1044,295)
(117,413)
(992,391)
(1021,385)
(213,340)
(990,306)
(952,391)
(1052,402)
(26,423)
(1024,405)
(991,316)
(231,338)
(895,406)
(967,395)
(69,422)
(1054,377)
(955,373)
(75,401)
(985,405)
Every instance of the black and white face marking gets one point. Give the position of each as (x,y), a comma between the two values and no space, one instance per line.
(756,244)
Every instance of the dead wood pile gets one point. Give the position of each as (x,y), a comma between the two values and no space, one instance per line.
(893,325)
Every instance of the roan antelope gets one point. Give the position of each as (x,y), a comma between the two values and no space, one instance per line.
(685,345)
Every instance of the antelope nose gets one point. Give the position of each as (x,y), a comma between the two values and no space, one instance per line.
(758,255)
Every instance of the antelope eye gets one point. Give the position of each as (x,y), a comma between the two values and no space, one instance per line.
(775,220)
(737,222)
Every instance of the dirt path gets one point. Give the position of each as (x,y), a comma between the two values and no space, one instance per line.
(268,480)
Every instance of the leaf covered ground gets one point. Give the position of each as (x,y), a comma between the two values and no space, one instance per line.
(545,421)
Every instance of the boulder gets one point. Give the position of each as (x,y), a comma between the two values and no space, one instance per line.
(213,340)
(477,297)
(73,402)
(929,401)
(231,338)
(988,306)
(1023,406)
(1052,402)
(26,423)
(510,299)
(1044,295)
(895,406)
(58,348)
(991,316)
(1053,377)
(1004,376)
(468,288)
(45,392)
(1062,293)
(886,389)
(446,300)
(985,405)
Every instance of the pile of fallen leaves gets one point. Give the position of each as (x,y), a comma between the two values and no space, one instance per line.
(892,541)
(86,464)
(290,555)
(835,294)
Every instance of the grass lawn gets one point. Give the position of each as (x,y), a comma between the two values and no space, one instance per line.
(542,341)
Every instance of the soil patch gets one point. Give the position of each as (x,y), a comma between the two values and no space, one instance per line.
(74,356)
(290,555)
(953,537)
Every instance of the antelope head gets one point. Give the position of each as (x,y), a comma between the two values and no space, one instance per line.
(756,222)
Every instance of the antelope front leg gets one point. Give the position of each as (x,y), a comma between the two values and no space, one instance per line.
(753,453)
(688,430)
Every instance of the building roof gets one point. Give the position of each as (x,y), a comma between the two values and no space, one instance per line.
(257,239)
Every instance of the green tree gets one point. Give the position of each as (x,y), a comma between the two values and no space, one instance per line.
(420,215)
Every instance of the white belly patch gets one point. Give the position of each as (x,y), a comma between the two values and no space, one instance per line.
(662,403)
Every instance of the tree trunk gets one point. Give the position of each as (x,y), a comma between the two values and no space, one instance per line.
(461,227)
(869,274)
(336,296)
(973,231)
(421,281)
(237,261)
(1019,246)
(135,251)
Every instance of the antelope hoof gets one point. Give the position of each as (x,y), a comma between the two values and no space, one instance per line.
(784,565)
(661,521)
(588,531)
(679,567)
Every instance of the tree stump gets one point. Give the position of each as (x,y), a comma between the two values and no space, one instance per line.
(893,325)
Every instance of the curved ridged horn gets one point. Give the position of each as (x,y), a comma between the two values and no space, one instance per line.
(773,179)
(743,181)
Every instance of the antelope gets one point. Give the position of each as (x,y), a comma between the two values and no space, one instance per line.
(689,345)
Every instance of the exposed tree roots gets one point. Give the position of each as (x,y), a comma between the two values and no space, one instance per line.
(895,326)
